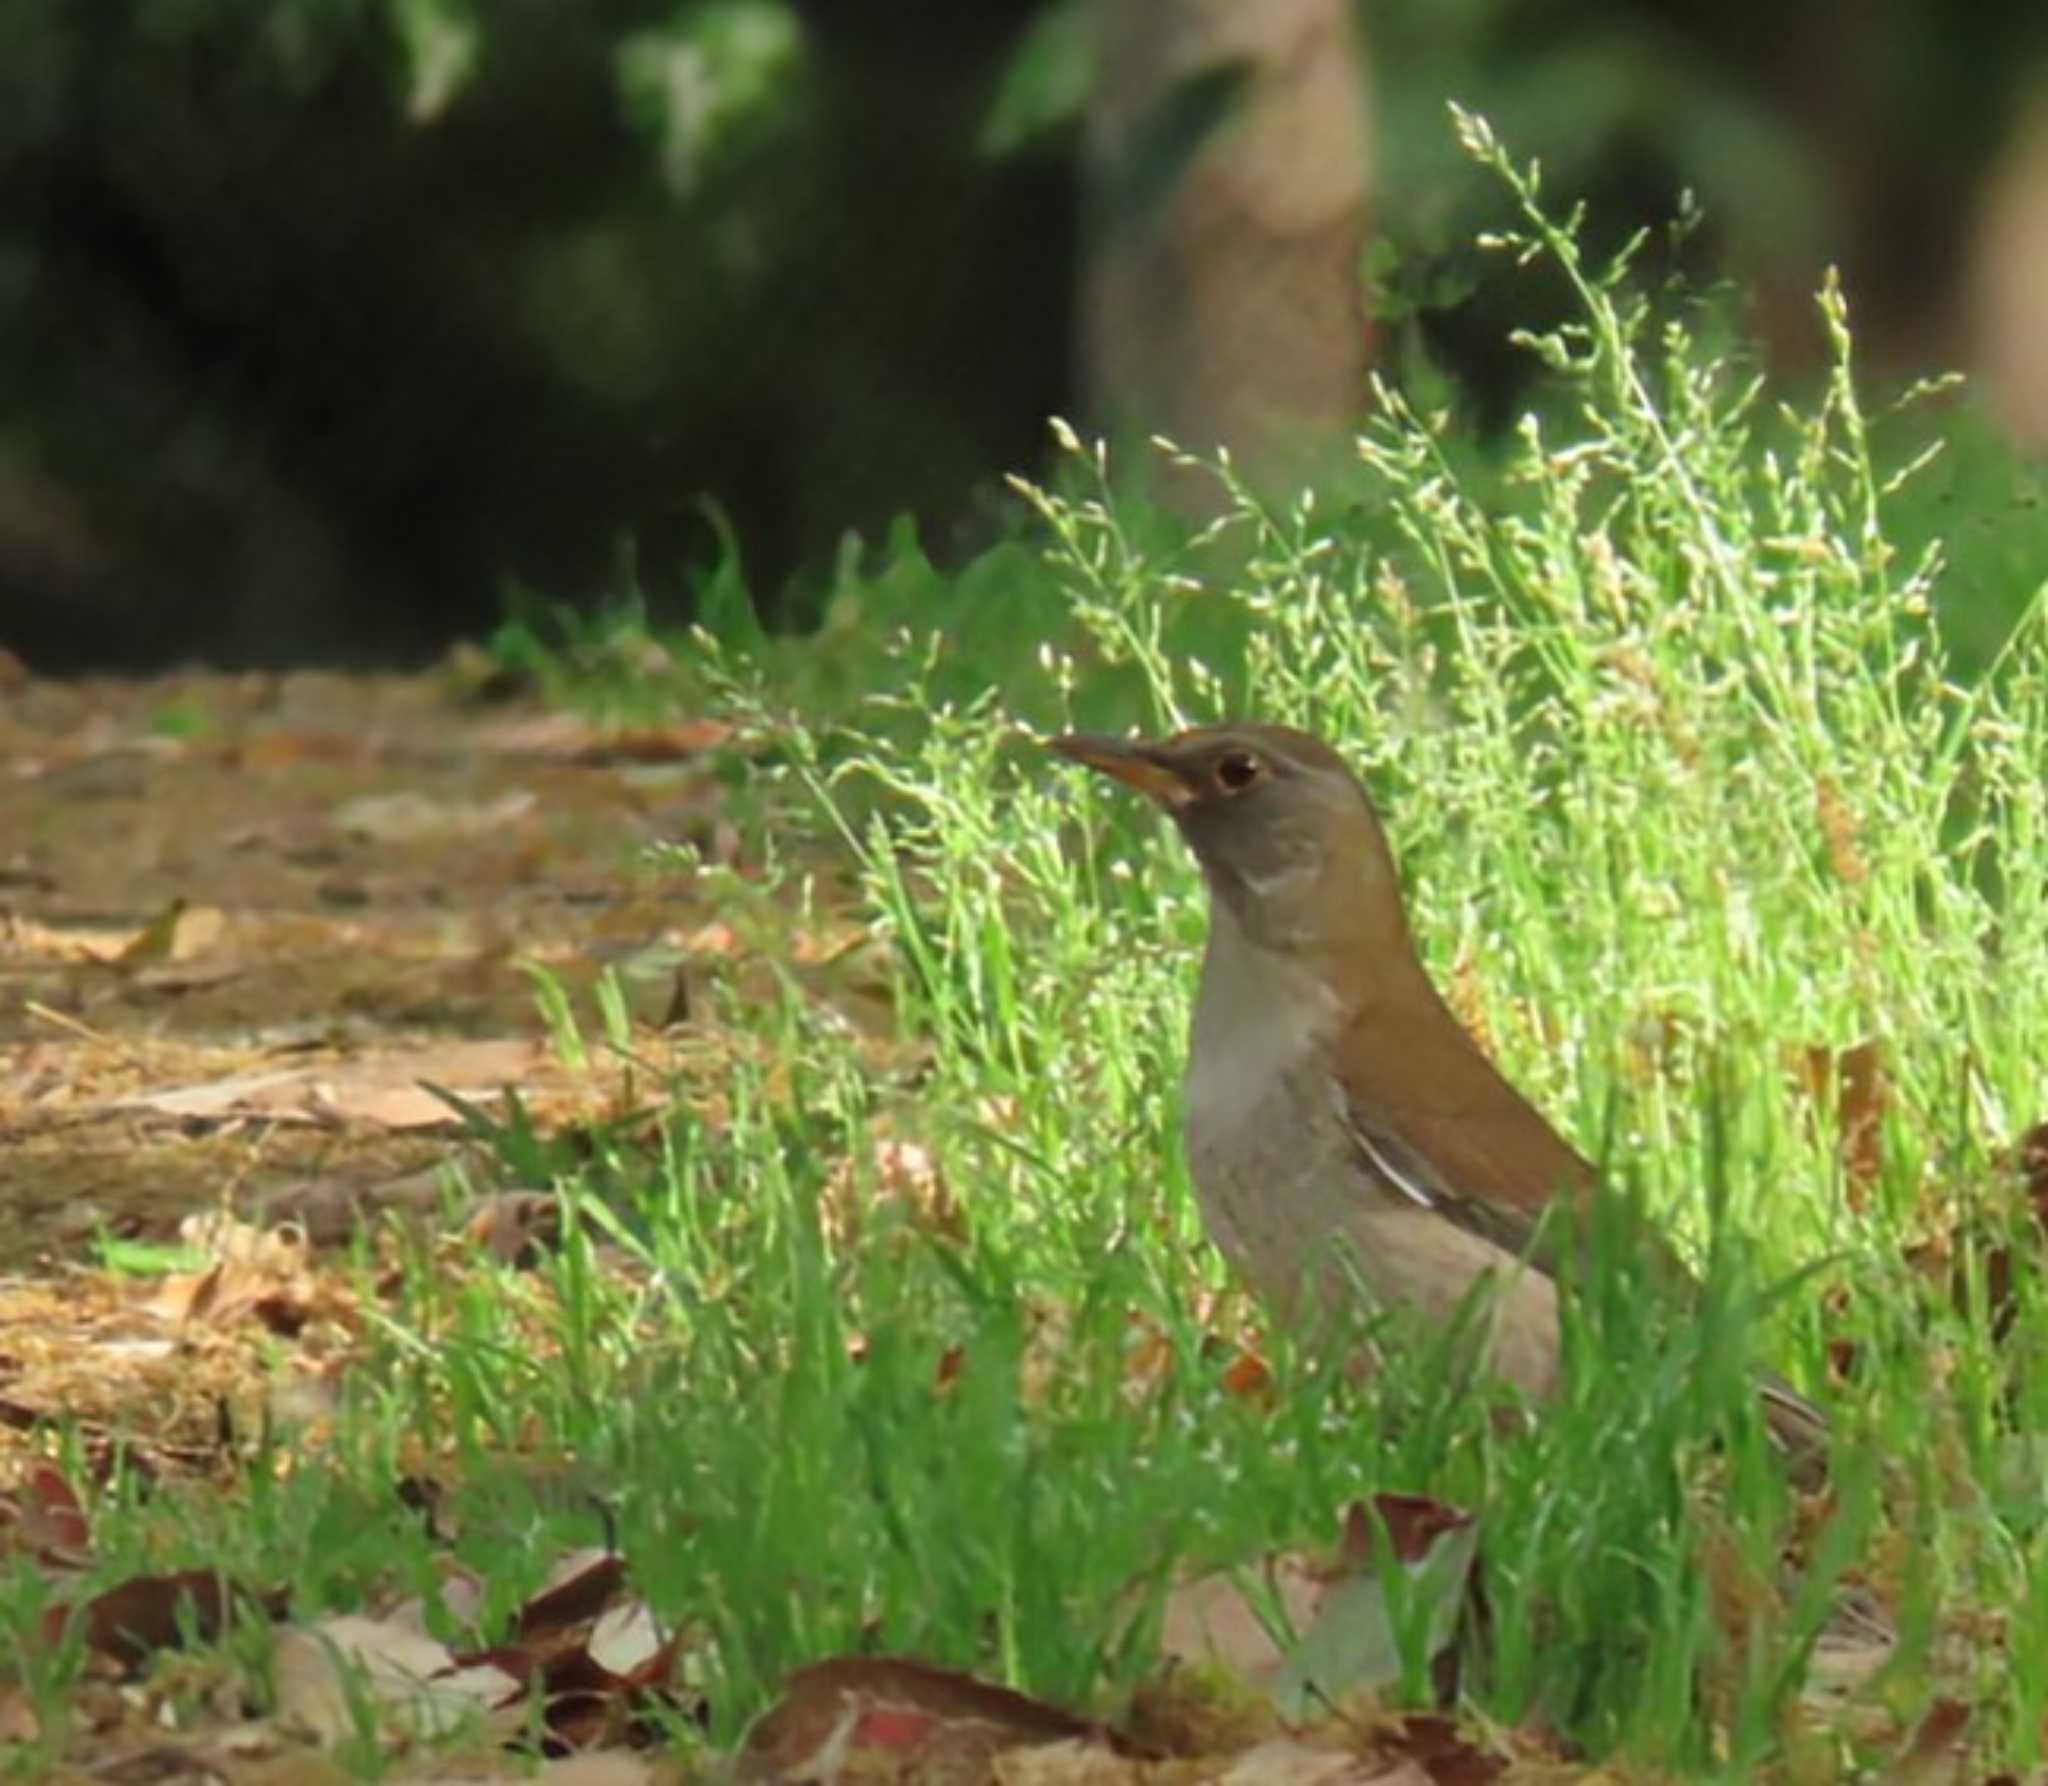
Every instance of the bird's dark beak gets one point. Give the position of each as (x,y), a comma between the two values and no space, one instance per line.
(1136,765)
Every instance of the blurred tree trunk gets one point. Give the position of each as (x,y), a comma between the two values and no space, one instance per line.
(2007,286)
(1227,172)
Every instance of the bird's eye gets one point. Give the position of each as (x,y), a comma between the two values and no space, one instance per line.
(1236,771)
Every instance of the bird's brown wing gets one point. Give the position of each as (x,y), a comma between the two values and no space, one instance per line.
(1435,1120)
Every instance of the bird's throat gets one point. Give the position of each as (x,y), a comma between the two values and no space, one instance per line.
(1258,1014)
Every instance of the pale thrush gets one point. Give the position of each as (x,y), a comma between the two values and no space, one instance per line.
(1343,1128)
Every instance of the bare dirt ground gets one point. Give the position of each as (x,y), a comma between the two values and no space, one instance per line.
(309,892)
(245,923)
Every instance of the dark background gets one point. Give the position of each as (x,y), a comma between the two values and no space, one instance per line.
(316,350)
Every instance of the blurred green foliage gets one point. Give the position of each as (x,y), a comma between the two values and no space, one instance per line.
(325,320)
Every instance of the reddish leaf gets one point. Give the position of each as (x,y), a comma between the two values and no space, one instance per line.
(1247,1376)
(57,1521)
(893,1727)
(1413,1525)
(890,1706)
(1859,1114)
(1435,1745)
(1930,1755)
(1852,1082)
(153,1612)
(579,1597)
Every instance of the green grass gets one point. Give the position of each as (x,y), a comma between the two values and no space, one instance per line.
(1683,788)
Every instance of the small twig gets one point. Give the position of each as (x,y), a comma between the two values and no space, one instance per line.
(85,1031)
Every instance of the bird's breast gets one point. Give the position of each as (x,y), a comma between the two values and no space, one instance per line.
(1294,1202)
(1264,1133)
(1260,1025)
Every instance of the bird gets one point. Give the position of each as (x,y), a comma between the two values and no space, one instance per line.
(1343,1129)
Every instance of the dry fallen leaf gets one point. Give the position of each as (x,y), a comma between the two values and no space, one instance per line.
(516,1228)
(324,1669)
(147,1613)
(384,1089)
(1339,1630)
(402,817)
(258,1275)
(18,1720)
(1851,1084)
(1443,1753)
(1934,1756)
(903,1719)
(47,1521)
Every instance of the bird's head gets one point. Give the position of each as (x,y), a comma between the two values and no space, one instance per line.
(1286,837)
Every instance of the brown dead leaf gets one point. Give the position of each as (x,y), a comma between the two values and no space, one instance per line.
(1230,1346)
(1851,1084)
(405,816)
(1442,1752)
(1942,1258)
(1859,1114)
(1150,1361)
(628,1640)
(1213,1620)
(905,1720)
(1413,1524)
(596,1662)
(1839,832)
(47,1520)
(1934,1756)
(1337,1633)
(147,1613)
(18,1720)
(898,1177)
(322,1670)
(223,1294)
(385,1090)
(259,1276)
(586,1704)
(579,1588)
(1248,1376)
(516,1228)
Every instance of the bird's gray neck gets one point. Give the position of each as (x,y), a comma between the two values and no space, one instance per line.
(1258,1015)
